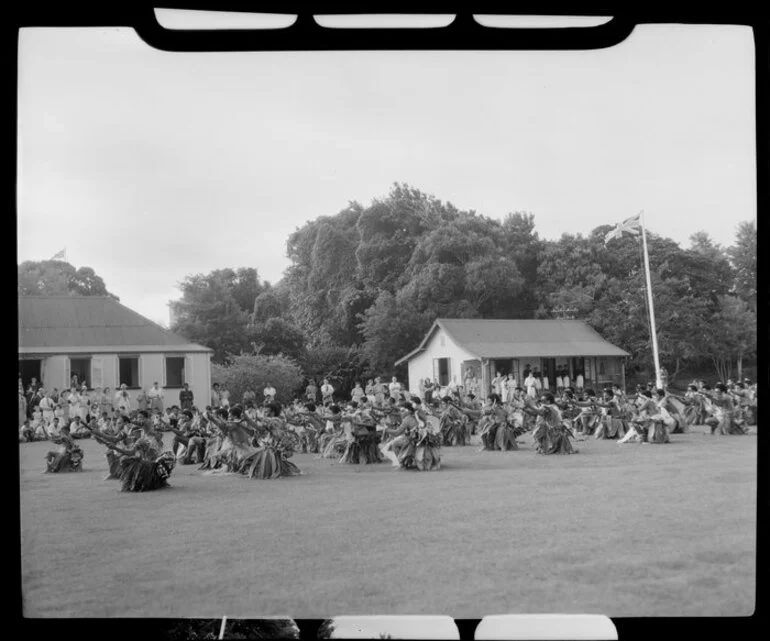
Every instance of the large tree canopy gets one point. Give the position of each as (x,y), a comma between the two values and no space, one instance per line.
(57,277)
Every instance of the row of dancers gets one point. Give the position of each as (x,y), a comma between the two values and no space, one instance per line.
(258,442)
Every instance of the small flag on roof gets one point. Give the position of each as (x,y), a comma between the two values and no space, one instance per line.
(60,255)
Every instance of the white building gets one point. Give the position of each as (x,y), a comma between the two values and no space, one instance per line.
(453,346)
(106,344)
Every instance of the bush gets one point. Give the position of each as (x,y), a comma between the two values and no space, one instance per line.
(253,372)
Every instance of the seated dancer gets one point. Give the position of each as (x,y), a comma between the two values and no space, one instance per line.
(308,426)
(588,419)
(189,444)
(362,438)
(651,423)
(722,413)
(695,412)
(332,442)
(276,444)
(552,434)
(411,445)
(125,437)
(143,466)
(231,449)
(453,424)
(495,431)
(68,458)
(611,422)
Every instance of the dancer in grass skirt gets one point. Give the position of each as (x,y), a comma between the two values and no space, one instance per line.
(453,424)
(588,419)
(125,438)
(333,441)
(362,445)
(552,433)
(695,412)
(722,419)
(497,434)
(189,444)
(233,442)
(67,458)
(276,444)
(412,446)
(651,423)
(144,466)
(611,422)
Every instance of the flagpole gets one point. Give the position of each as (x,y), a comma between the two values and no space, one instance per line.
(653,331)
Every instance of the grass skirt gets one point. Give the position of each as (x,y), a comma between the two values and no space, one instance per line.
(587,424)
(725,424)
(424,455)
(141,475)
(69,461)
(553,440)
(454,433)
(363,449)
(488,427)
(505,438)
(657,432)
(210,459)
(113,463)
(332,445)
(269,463)
(611,427)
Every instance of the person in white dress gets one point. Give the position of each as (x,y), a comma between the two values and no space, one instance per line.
(123,401)
(155,396)
(395,389)
(84,404)
(510,385)
(529,385)
(566,380)
(579,382)
(269,393)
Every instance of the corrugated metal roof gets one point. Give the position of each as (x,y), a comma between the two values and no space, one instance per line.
(92,321)
(523,338)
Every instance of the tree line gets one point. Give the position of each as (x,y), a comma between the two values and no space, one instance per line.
(365,284)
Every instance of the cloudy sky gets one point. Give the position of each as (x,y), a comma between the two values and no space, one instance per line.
(150,165)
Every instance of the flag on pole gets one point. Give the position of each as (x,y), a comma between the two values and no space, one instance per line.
(629,225)
(60,255)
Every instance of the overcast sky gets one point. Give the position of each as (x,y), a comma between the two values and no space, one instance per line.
(150,165)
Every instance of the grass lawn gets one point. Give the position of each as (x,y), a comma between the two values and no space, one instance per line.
(632,530)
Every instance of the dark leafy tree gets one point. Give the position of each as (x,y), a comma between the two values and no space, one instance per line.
(56,277)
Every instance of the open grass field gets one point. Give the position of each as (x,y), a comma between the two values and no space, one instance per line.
(632,530)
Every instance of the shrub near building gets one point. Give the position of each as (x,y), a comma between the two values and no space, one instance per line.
(254,372)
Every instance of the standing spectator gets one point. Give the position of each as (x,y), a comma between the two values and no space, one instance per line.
(529,385)
(142,400)
(538,382)
(55,395)
(84,404)
(379,392)
(559,380)
(428,387)
(186,397)
(663,377)
(224,398)
(395,389)
(216,398)
(74,381)
(105,402)
(369,390)
(64,404)
(511,386)
(73,402)
(579,382)
(156,398)
(269,393)
(565,379)
(358,393)
(327,392)
(249,397)
(123,401)
(22,406)
(311,391)
(47,406)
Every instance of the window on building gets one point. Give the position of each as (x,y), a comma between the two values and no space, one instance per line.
(128,369)
(174,371)
(80,371)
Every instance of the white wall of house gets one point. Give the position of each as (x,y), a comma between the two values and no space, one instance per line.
(441,345)
(55,372)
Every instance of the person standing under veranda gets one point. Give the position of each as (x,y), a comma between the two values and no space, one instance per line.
(47,407)
(123,401)
(529,385)
(155,396)
(186,397)
(395,389)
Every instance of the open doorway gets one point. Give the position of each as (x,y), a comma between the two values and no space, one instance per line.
(30,368)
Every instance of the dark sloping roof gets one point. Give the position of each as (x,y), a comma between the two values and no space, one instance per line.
(522,338)
(66,322)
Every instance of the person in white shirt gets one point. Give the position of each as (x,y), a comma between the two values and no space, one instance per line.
(269,393)
(565,379)
(579,381)
(84,404)
(47,406)
(395,388)
(510,385)
(155,396)
(327,392)
(529,384)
